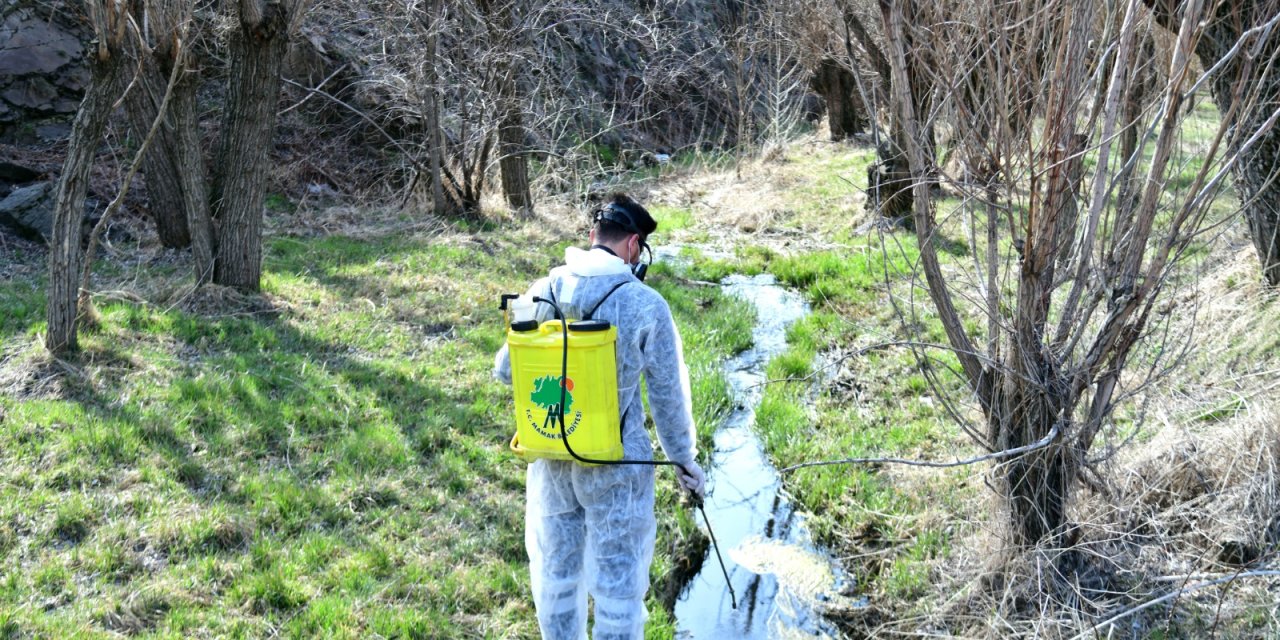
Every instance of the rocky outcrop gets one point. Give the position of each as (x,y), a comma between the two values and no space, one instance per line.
(26,202)
(42,68)
(28,211)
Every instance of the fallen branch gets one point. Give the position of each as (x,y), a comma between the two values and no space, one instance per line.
(1095,629)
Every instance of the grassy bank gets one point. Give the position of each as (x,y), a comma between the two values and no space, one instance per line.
(927,546)
(326,460)
(826,399)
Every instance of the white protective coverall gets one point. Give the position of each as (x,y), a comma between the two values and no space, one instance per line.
(591,529)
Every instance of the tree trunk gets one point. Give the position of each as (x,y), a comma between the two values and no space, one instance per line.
(514,163)
(1068,213)
(836,84)
(189,152)
(1037,483)
(1251,78)
(1143,84)
(1259,89)
(1255,177)
(65,253)
(257,49)
(891,180)
(1033,399)
(439,203)
(160,165)
(889,185)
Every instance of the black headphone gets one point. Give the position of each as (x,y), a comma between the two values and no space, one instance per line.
(615,214)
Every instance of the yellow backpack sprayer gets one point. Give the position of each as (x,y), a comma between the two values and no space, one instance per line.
(584,392)
(578,399)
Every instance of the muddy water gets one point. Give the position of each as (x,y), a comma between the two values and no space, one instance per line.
(782,581)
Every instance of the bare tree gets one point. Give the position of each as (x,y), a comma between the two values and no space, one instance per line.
(764,43)
(836,83)
(107,68)
(257,46)
(175,166)
(835,46)
(506,43)
(1071,275)
(1240,45)
(163,176)
(888,179)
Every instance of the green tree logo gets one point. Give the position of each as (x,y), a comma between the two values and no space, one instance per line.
(546,393)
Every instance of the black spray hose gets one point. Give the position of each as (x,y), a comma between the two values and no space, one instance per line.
(697,500)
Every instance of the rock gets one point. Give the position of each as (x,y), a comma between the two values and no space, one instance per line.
(34,45)
(17,174)
(28,211)
(75,79)
(43,70)
(53,131)
(33,93)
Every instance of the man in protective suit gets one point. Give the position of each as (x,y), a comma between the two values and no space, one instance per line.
(590,529)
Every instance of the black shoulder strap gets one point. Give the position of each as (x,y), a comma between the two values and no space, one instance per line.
(592,312)
(555,309)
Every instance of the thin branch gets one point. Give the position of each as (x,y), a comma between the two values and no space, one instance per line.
(1006,453)
(98,229)
(364,116)
(312,92)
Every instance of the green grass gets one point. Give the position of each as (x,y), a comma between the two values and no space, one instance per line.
(335,467)
(824,198)
(338,467)
(670,219)
(850,277)
(890,413)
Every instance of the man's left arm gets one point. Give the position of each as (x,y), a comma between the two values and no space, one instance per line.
(667,379)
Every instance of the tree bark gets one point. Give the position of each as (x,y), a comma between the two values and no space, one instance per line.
(442,204)
(889,183)
(891,179)
(65,255)
(837,86)
(512,161)
(1066,203)
(195,191)
(257,50)
(160,165)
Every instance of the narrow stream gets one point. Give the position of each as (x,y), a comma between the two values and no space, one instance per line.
(782,581)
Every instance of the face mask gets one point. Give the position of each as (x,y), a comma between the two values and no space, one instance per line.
(640,268)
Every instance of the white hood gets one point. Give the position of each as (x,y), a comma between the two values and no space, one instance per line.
(585,264)
(596,262)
